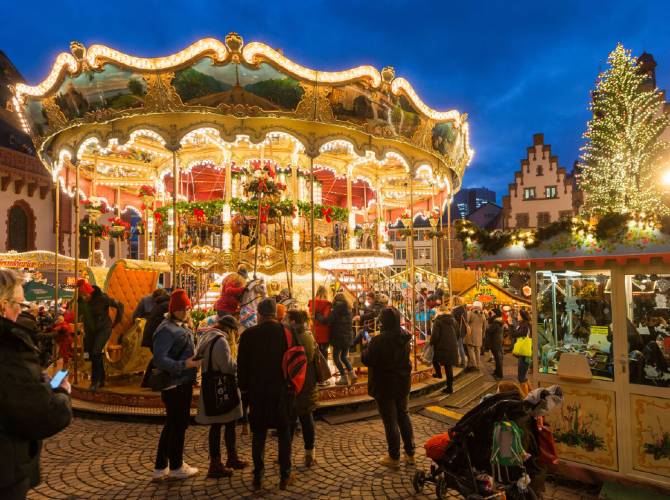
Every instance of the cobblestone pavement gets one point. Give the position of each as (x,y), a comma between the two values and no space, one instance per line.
(111,459)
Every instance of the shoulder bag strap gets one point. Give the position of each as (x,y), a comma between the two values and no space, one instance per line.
(211,348)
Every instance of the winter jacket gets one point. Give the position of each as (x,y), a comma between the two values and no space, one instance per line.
(522,330)
(478,324)
(222,361)
(390,369)
(173,345)
(97,323)
(30,410)
(144,307)
(306,401)
(371,314)
(260,376)
(461,318)
(340,321)
(321,330)
(229,302)
(444,339)
(494,335)
(155,318)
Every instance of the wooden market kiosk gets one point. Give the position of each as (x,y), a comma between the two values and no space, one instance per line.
(600,329)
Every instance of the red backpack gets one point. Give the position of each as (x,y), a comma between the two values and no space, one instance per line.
(294,364)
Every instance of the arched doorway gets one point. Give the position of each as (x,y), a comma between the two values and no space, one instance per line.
(20,227)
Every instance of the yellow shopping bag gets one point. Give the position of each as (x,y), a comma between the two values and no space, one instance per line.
(523,347)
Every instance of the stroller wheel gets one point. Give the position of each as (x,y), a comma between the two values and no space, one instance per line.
(441,487)
(419,480)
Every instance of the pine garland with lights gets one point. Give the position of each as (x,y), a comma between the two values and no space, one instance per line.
(620,168)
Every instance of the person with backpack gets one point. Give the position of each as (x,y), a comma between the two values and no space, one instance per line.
(306,400)
(218,350)
(476,320)
(341,334)
(260,375)
(445,345)
(389,382)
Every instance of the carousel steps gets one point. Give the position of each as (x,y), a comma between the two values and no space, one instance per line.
(471,386)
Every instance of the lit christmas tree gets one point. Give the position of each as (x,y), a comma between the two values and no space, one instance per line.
(621,166)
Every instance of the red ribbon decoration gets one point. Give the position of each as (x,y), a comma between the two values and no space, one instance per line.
(327,212)
(199,214)
(265,211)
(158,218)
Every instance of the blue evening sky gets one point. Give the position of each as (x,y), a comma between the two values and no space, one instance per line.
(516,67)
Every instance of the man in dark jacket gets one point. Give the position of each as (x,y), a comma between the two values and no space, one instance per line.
(146,305)
(93,307)
(154,319)
(260,376)
(494,338)
(445,344)
(30,410)
(389,381)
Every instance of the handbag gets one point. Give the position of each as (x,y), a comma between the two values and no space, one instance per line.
(523,347)
(467,329)
(547,455)
(321,367)
(159,379)
(428,354)
(218,390)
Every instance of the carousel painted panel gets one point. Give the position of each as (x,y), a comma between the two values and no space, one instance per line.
(585,429)
(651,434)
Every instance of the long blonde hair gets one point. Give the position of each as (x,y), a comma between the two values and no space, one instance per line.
(322,292)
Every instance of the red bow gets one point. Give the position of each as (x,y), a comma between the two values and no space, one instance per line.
(262,186)
(270,170)
(199,214)
(158,218)
(326,213)
(265,210)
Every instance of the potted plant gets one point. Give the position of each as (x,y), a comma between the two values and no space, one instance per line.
(148,194)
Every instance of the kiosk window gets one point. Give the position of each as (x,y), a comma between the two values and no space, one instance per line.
(574,317)
(648,328)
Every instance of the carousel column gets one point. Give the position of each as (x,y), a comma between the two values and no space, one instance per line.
(57,229)
(227,238)
(411,265)
(295,196)
(76,272)
(117,196)
(311,236)
(381,226)
(352,216)
(449,200)
(175,230)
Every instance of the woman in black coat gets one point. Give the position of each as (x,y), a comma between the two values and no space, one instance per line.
(444,340)
(30,410)
(494,339)
(523,330)
(340,320)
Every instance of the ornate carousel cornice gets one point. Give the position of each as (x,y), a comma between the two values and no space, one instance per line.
(46,110)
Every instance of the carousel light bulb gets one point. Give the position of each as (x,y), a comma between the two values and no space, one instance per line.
(227,241)
(170,243)
(296,241)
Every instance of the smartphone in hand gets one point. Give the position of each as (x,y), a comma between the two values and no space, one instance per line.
(57,380)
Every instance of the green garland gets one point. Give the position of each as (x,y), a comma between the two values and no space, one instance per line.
(609,227)
(213,208)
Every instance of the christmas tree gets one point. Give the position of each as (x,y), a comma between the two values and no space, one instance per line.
(621,167)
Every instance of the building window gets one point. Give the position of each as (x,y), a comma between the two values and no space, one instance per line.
(18,229)
(543,219)
(400,254)
(522,220)
(550,192)
(565,214)
(529,193)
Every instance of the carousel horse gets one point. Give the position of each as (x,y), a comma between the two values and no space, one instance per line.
(254,292)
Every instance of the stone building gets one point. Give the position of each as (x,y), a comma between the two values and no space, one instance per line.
(542,191)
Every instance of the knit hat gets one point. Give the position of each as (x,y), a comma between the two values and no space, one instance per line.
(242,271)
(84,286)
(390,320)
(267,307)
(179,301)
(478,304)
(228,322)
(497,313)
(281,311)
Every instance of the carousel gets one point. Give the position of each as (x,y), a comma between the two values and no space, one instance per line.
(177,170)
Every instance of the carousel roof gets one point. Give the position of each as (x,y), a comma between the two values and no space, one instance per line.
(124,117)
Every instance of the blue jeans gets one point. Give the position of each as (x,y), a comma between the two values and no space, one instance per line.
(341,360)
(258,451)
(461,352)
(523,370)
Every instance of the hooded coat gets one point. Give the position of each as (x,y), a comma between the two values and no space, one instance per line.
(222,361)
(494,334)
(387,358)
(30,410)
(478,324)
(306,401)
(444,339)
(340,320)
(155,318)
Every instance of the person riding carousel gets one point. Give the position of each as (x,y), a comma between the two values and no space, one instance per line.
(232,289)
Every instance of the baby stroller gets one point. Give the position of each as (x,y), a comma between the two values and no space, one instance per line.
(482,456)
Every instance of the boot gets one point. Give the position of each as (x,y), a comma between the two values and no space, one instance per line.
(309,458)
(353,377)
(234,461)
(217,470)
(343,380)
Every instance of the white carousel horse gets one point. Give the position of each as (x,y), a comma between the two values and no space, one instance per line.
(254,292)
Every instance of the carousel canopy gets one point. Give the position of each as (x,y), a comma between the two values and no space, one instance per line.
(216,107)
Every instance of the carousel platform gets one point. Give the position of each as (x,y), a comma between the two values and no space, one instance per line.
(126,399)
